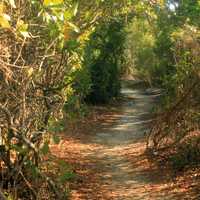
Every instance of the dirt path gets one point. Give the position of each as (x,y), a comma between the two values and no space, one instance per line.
(124,179)
(111,159)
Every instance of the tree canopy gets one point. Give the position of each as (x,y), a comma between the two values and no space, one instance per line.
(59,55)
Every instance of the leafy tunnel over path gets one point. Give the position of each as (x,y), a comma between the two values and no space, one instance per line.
(58,55)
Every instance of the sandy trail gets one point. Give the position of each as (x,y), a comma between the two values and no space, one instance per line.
(121,178)
(108,155)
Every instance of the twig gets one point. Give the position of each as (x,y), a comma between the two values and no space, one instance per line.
(29,185)
(20,52)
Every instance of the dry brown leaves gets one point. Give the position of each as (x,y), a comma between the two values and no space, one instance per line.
(162,180)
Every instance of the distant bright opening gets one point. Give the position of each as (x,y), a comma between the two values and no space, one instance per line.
(173,6)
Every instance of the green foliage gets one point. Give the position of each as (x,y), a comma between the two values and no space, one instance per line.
(59,53)
(45,148)
(103,59)
(152,50)
(55,126)
(187,154)
(42,70)
(140,49)
(56,139)
(187,11)
(177,48)
(66,174)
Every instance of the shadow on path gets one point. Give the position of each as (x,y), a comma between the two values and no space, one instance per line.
(114,159)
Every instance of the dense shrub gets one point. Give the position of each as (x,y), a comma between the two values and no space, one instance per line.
(41,70)
(181,114)
(103,59)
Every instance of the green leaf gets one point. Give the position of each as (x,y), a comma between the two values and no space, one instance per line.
(22,28)
(64,166)
(4,20)
(56,139)
(66,172)
(56,126)
(19,149)
(34,171)
(32,167)
(68,15)
(25,34)
(45,148)
(52,2)
(67,176)
(72,45)
(75,8)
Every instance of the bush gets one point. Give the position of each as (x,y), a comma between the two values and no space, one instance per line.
(187,152)
(103,59)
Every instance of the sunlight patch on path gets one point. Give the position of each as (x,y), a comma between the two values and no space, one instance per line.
(122,179)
